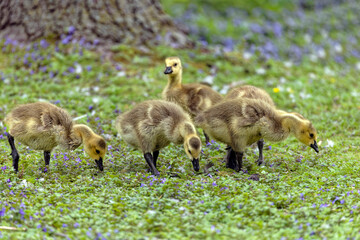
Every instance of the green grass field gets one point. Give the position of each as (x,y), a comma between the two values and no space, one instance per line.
(299,195)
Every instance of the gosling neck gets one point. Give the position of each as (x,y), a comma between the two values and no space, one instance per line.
(83,131)
(186,129)
(290,122)
(174,80)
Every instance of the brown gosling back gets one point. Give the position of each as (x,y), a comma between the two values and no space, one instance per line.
(248,91)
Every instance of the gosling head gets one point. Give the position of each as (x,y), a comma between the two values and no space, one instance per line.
(95,147)
(192,146)
(172,65)
(306,134)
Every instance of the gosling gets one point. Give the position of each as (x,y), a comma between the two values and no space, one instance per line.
(247,91)
(192,97)
(153,124)
(241,122)
(43,126)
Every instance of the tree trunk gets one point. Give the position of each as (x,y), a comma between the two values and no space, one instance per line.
(135,22)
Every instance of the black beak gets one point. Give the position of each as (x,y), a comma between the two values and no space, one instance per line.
(99,163)
(196,165)
(315,146)
(168,70)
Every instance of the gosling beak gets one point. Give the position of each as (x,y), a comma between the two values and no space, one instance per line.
(168,70)
(196,165)
(99,163)
(315,146)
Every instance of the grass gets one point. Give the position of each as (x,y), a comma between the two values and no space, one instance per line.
(300,194)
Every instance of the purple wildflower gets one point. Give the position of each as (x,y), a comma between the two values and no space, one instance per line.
(277,29)
(118,67)
(71,70)
(256,28)
(2,212)
(71,30)
(21,211)
(336,198)
(44,43)
(66,40)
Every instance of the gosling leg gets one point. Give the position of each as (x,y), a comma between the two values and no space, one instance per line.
(230,158)
(149,159)
(207,139)
(14,153)
(47,157)
(260,144)
(239,156)
(155,156)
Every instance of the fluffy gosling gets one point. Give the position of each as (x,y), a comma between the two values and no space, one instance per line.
(247,91)
(152,125)
(43,126)
(193,97)
(241,122)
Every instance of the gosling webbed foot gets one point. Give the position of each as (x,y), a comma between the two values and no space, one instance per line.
(259,161)
(239,156)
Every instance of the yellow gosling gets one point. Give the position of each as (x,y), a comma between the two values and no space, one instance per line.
(192,97)
(154,124)
(241,122)
(43,126)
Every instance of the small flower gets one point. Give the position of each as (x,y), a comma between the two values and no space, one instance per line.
(2,212)
(260,71)
(330,143)
(71,30)
(247,55)
(21,211)
(71,70)
(276,90)
(66,40)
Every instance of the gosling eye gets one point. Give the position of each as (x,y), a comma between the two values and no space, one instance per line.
(97,151)
(175,64)
(189,151)
(311,135)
